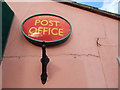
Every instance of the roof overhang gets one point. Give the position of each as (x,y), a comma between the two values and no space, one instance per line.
(90,9)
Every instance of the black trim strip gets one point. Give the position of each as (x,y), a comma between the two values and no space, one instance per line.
(90,8)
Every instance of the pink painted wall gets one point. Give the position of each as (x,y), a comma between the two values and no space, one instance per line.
(86,60)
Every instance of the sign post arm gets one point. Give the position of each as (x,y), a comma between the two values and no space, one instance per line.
(44,60)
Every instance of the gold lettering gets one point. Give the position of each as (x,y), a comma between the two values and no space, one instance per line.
(51,23)
(44,24)
(60,33)
(37,21)
(45,30)
(52,31)
(49,31)
(39,29)
(56,23)
(32,30)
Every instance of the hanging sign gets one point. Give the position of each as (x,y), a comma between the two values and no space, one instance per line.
(46,28)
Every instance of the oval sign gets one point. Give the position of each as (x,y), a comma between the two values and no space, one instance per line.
(48,28)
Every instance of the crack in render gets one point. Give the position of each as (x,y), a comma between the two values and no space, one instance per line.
(54,55)
(84,55)
(18,56)
(97,42)
(12,57)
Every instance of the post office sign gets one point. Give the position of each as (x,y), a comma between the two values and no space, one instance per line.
(48,28)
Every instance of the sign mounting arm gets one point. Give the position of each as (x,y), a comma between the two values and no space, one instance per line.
(44,60)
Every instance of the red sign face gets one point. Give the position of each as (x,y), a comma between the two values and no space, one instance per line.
(46,27)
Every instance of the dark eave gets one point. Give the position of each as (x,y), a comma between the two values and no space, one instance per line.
(90,8)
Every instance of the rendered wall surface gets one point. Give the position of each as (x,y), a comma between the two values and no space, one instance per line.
(87,60)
